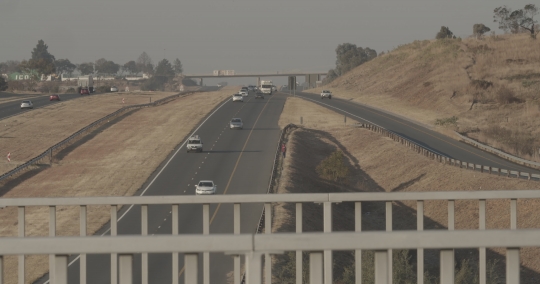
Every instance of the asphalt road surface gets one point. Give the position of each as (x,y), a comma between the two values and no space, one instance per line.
(14,107)
(421,135)
(238,161)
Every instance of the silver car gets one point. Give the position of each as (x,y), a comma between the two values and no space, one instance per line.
(205,187)
(27,104)
(236,123)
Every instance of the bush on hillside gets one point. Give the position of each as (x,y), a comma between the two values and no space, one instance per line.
(506,96)
(334,167)
(479,30)
(445,32)
(103,89)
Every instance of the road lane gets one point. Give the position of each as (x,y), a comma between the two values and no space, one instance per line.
(428,138)
(12,108)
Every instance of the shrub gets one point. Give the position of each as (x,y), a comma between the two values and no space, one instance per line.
(506,96)
(445,32)
(103,89)
(71,90)
(447,121)
(334,167)
(481,84)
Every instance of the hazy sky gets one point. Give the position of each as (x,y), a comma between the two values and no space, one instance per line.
(242,35)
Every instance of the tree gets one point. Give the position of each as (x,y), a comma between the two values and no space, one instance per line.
(177,66)
(445,32)
(64,66)
(10,66)
(349,56)
(105,66)
(479,30)
(330,76)
(86,68)
(516,21)
(163,73)
(144,63)
(42,61)
(3,84)
(131,67)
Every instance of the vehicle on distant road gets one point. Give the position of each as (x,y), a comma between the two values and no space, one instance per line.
(259,95)
(236,123)
(266,87)
(326,94)
(54,97)
(274,88)
(85,91)
(237,98)
(27,104)
(114,89)
(194,144)
(205,187)
(243,93)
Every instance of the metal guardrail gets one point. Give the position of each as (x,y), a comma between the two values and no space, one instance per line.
(445,159)
(385,242)
(78,134)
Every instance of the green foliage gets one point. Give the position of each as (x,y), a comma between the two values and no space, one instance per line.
(445,32)
(447,121)
(103,89)
(191,82)
(10,66)
(104,66)
(131,67)
(330,76)
(517,21)
(144,64)
(334,167)
(177,66)
(3,84)
(64,66)
(86,68)
(479,30)
(42,61)
(349,56)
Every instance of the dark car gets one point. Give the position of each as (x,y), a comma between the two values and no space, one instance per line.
(259,95)
(54,98)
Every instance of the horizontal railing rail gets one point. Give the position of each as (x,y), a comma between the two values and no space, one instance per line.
(49,152)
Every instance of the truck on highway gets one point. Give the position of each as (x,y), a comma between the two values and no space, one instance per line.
(85,82)
(266,87)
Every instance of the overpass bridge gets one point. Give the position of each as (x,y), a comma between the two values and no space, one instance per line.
(311,78)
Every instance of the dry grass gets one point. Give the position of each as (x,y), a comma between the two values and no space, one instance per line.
(379,164)
(31,133)
(429,80)
(115,162)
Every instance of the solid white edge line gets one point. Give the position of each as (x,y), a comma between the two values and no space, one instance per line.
(154,179)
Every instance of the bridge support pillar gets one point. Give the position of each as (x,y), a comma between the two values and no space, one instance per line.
(201,81)
(316,267)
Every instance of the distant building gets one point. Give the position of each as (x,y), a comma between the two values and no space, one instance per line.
(21,76)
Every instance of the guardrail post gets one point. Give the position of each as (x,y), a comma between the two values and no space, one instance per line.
(253,268)
(299,258)
(60,271)
(236,258)
(191,262)
(114,256)
(50,157)
(358,252)
(206,255)
(144,232)
(512,265)
(482,250)
(315,268)
(126,268)
(267,230)
(420,251)
(52,233)
(447,266)
(382,274)
(21,219)
(499,171)
(389,229)
(328,253)
(175,268)
(82,257)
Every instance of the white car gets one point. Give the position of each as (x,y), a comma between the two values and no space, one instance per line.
(114,89)
(205,187)
(236,123)
(326,94)
(194,144)
(238,97)
(27,104)
(243,92)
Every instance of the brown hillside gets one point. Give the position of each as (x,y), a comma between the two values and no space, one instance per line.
(492,85)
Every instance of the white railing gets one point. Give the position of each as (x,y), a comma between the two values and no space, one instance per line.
(253,246)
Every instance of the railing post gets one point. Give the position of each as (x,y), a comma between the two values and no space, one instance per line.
(60,271)
(253,268)
(267,230)
(114,256)
(381,267)
(21,219)
(513,214)
(358,252)
(328,269)
(299,260)
(451,206)
(512,265)
(191,262)
(82,257)
(447,266)
(482,250)
(237,276)
(144,232)
(52,233)
(316,268)
(175,268)
(206,255)
(126,268)
(420,251)
(389,229)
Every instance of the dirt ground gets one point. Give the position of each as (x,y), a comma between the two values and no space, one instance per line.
(114,161)
(379,164)
(31,133)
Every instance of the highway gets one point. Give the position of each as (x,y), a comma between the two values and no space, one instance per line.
(8,109)
(238,161)
(421,135)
